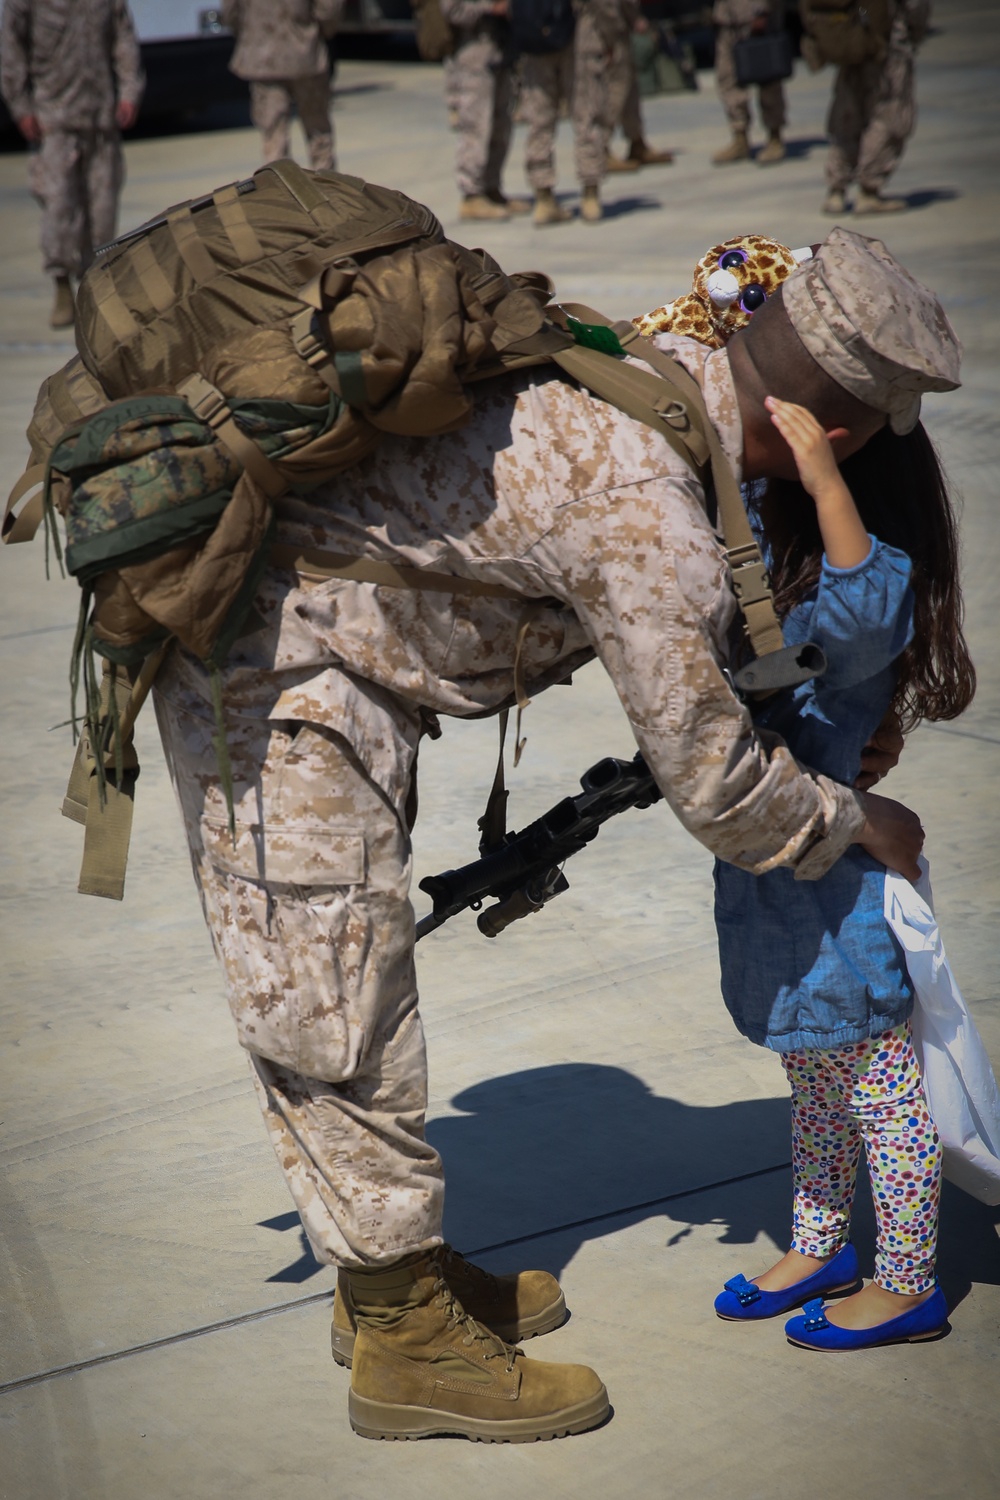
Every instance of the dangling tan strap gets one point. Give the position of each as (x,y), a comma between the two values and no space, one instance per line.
(22,526)
(312,563)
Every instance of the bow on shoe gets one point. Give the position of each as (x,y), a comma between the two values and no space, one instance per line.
(814,1318)
(745,1291)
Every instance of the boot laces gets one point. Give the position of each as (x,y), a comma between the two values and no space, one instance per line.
(493,1346)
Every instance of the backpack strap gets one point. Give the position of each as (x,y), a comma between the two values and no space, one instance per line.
(208,403)
(680,415)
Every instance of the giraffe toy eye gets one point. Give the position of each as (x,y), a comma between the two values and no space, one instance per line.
(732,260)
(754,296)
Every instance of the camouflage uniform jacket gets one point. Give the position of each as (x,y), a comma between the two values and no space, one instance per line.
(280,38)
(68,61)
(600,530)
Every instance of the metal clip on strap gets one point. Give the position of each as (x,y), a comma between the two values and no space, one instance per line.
(208,403)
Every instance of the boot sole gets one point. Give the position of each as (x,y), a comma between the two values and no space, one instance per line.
(342,1339)
(382,1419)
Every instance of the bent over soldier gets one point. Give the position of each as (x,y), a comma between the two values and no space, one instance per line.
(72,79)
(571,531)
(281,50)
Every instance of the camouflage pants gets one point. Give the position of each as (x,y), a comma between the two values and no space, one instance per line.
(872,115)
(593,107)
(623,90)
(483,90)
(310,916)
(271,104)
(736,100)
(77,177)
(547,80)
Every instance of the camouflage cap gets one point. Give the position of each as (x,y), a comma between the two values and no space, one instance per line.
(873,328)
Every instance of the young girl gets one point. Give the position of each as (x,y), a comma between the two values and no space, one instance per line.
(864,563)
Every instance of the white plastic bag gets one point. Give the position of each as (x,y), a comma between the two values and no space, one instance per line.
(959,1085)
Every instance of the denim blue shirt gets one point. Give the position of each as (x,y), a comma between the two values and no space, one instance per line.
(813,963)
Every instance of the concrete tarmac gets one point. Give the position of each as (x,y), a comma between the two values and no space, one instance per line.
(165,1326)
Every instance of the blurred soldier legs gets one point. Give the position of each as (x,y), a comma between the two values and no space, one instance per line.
(872,115)
(736,100)
(624,109)
(271,103)
(484,98)
(77,177)
(310,916)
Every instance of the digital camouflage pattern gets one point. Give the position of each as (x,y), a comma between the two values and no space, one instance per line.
(483,95)
(733,20)
(77,177)
(281,38)
(598,526)
(880,333)
(271,105)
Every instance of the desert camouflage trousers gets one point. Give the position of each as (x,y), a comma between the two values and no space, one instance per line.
(310,917)
(547,81)
(736,100)
(481,84)
(271,104)
(77,177)
(872,115)
(623,92)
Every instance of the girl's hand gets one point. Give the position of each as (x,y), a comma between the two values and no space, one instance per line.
(809,444)
(845,540)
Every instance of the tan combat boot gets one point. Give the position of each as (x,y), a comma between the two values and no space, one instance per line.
(613,163)
(478,206)
(874,203)
(835,203)
(737,150)
(516,1307)
(63,310)
(512,205)
(424,1367)
(590,205)
(548,210)
(774,150)
(642,154)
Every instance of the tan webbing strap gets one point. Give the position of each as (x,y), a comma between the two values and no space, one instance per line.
(208,403)
(190,248)
(107,814)
(312,349)
(22,527)
(111,306)
(312,563)
(151,277)
(239,230)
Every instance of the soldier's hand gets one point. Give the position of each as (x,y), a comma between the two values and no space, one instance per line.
(881,753)
(126,114)
(29,127)
(892,834)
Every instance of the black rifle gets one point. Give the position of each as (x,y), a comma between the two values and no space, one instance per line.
(524,872)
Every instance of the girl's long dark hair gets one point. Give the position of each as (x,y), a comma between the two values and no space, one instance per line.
(903,500)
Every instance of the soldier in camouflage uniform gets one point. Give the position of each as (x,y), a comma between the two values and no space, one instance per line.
(624,106)
(71,78)
(281,50)
(734,20)
(872,115)
(572,531)
(482,82)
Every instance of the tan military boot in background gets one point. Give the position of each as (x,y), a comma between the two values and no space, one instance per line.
(423,1367)
(835,202)
(478,206)
(613,163)
(642,154)
(773,152)
(515,1307)
(548,210)
(737,150)
(63,309)
(590,205)
(874,203)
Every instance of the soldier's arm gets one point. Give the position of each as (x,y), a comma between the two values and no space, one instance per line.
(127,63)
(15,54)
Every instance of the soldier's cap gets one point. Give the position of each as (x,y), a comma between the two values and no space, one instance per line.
(871,326)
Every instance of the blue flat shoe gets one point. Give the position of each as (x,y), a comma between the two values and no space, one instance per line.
(743,1300)
(812,1331)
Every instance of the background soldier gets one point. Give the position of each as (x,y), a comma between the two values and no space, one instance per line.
(483,93)
(281,49)
(624,106)
(71,78)
(734,20)
(872,115)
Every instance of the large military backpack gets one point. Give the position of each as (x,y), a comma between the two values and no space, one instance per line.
(845,33)
(259,340)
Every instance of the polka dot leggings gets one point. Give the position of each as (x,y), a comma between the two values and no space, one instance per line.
(868,1091)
